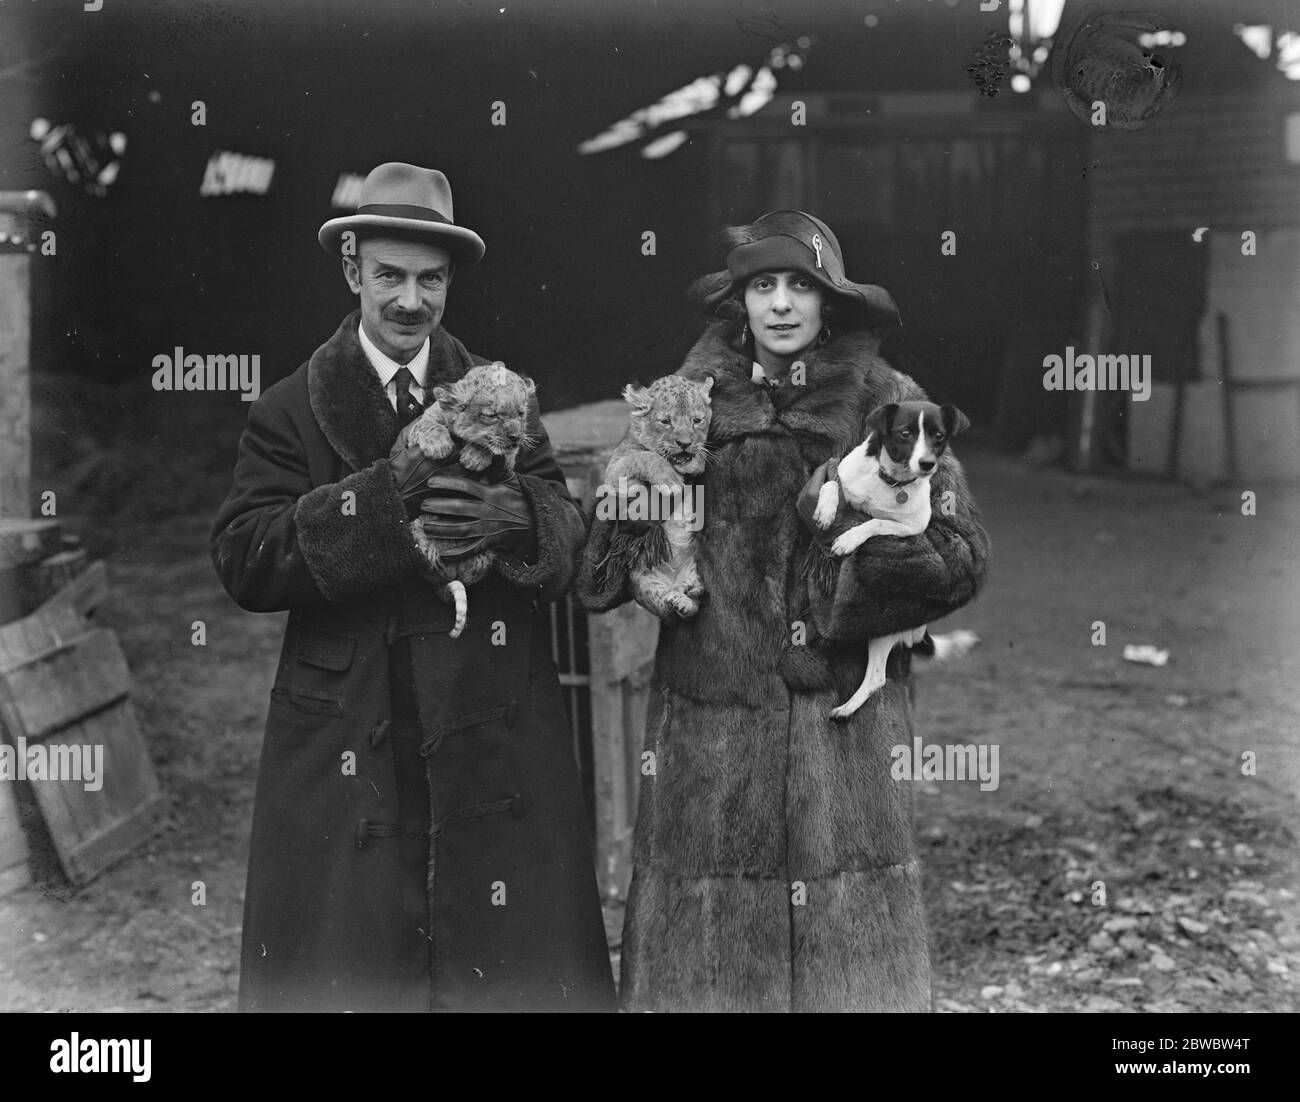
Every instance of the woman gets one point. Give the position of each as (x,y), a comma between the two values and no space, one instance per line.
(773,856)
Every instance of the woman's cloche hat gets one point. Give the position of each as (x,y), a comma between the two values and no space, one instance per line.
(406,201)
(792,240)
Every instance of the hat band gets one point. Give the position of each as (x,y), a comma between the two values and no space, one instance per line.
(779,252)
(401,210)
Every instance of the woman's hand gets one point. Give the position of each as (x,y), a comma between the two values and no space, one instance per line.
(806,505)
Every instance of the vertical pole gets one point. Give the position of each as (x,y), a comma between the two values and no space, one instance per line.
(1228,398)
(15,463)
(15,385)
(15,349)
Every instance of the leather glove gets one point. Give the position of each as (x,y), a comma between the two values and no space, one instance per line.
(465,516)
(411,470)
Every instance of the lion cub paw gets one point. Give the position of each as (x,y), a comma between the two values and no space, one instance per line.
(430,437)
(684,606)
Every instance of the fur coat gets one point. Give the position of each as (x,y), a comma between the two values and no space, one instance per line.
(499,909)
(773,858)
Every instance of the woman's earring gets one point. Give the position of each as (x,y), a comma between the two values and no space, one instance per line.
(824,335)
(744,334)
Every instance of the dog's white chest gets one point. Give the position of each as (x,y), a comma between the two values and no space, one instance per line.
(867,492)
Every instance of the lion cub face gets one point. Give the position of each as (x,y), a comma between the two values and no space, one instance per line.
(488,407)
(671,418)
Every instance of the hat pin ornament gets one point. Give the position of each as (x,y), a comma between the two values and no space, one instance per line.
(817,245)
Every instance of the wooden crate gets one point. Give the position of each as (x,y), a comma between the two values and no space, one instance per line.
(64,684)
(24,544)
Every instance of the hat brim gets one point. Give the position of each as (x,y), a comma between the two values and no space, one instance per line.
(465,246)
(872,305)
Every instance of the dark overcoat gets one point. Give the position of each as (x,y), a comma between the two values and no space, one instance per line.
(773,858)
(508,916)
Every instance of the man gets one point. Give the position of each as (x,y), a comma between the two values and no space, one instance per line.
(419,839)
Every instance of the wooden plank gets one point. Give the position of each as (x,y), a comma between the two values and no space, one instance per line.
(112,844)
(622,650)
(85,592)
(607,751)
(28,541)
(1225,386)
(56,621)
(12,585)
(46,629)
(24,588)
(42,580)
(59,686)
(90,827)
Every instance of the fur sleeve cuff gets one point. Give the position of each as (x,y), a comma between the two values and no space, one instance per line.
(559,533)
(360,542)
(891,584)
(599,587)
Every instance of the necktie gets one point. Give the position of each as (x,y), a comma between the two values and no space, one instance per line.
(408,409)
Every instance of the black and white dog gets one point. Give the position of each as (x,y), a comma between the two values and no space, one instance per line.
(887,476)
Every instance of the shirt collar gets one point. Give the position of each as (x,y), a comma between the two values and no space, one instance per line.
(386,367)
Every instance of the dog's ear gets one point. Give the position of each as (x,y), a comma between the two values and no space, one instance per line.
(954,421)
(879,422)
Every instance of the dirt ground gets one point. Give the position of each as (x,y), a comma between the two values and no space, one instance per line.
(1110,772)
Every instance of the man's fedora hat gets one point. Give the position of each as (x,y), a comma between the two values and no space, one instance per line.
(407,201)
(790,240)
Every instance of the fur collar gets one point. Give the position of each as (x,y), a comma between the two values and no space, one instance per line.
(349,404)
(845,379)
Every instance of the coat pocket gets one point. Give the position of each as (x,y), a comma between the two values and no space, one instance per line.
(306,700)
(327,650)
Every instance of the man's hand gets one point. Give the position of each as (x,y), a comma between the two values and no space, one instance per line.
(465,516)
(411,470)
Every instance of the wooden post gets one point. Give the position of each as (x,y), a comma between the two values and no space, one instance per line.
(1226,384)
(15,342)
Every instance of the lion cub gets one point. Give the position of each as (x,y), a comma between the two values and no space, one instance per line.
(666,439)
(486,413)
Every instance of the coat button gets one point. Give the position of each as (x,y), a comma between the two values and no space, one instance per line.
(380,733)
(512,712)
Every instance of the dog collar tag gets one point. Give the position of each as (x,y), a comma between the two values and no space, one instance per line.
(902,497)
